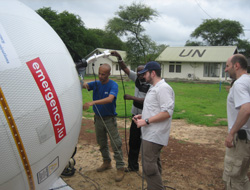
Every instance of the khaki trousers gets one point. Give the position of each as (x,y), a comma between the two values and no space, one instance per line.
(104,127)
(236,165)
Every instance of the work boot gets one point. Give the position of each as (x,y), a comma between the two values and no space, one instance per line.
(105,166)
(119,175)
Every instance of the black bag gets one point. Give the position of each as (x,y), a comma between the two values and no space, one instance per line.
(242,134)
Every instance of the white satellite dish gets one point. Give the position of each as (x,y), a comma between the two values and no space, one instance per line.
(40,98)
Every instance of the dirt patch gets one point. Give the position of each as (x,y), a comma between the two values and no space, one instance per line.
(193,160)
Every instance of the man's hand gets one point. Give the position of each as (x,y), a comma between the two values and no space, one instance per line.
(121,63)
(128,97)
(115,53)
(229,141)
(136,117)
(141,123)
(85,85)
(241,120)
(138,121)
(87,105)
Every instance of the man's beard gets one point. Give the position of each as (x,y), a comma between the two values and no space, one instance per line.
(232,76)
(149,81)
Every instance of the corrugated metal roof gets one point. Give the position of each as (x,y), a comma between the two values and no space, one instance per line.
(197,54)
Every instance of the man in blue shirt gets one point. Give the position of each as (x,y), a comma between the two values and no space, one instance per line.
(104,105)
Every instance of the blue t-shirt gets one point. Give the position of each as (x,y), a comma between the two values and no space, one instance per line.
(101,91)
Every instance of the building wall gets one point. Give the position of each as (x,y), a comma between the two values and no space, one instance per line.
(100,61)
(191,71)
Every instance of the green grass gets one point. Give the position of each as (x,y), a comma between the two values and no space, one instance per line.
(90,131)
(200,104)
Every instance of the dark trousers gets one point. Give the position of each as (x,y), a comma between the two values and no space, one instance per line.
(134,146)
(152,165)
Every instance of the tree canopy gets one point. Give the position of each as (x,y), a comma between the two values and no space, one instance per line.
(130,19)
(129,23)
(220,32)
(70,28)
(79,40)
(217,32)
(107,39)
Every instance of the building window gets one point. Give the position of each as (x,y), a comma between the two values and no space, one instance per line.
(175,67)
(117,67)
(178,68)
(223,69)
(211,69)
(171,68)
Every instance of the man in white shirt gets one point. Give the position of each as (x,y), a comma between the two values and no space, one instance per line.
(237,158)
(155,123)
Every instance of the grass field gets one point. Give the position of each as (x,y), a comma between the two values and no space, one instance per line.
(200,104)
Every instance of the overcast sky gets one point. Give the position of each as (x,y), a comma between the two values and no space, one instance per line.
(177,18)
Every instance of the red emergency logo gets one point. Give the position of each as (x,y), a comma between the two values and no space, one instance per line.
(50,97)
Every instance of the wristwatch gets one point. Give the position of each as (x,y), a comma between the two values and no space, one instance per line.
(147,121)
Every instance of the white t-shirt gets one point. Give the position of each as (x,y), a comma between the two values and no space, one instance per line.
(160,98)
(238,95)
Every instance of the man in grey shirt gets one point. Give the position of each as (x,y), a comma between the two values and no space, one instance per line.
(141,89)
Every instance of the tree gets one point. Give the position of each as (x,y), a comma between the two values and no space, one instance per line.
(220,32)
(50,16)
(129,23)
(70,28)
(193,43)
(244,47)
(79,40)
(155,51)
(107,39)
(152,50)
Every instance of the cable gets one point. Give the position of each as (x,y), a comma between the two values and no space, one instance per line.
(169,187)
(125,109)
(121,155)
(203,9)
(59,187)
(125,132)
(96,185)
(98,92)
(111,138)
(108,110)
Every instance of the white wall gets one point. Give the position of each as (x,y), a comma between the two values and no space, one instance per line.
(89,69)
(195,69)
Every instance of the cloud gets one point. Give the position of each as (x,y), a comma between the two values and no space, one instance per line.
(176,21)
(168,31)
